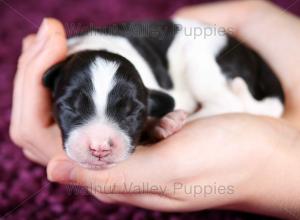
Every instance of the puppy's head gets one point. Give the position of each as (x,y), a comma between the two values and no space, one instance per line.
(101,106)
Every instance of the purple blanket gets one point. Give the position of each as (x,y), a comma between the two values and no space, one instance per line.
(25,192)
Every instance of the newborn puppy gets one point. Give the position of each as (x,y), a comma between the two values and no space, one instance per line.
(116,78)
(101,106)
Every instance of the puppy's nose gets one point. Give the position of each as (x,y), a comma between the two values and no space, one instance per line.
(101,150)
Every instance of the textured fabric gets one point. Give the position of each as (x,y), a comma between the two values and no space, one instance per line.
(25,192)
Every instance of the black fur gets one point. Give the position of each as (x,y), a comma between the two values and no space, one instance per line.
(237,60)
(159,103)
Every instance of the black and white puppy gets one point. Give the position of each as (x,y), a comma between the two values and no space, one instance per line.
(116,77)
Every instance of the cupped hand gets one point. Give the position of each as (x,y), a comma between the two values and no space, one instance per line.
(213,162)
(32,126)
(229,155)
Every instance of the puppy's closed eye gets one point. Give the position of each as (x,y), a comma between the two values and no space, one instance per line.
(128,107)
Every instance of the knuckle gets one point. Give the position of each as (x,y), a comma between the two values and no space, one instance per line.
(25,134)
(110,179)
(80,178)
(20,137)
(30,155)
(114,182)
(256,4)
(14,135)
(27,39)
(22,60)
(23,63)
(183,10)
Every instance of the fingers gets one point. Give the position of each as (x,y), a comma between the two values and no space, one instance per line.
(225,13)
(31,111)
(52,36)
(116,185)
(149,201)
(34,156)
(222,14)
(28,42)
(124,177)
(56,47)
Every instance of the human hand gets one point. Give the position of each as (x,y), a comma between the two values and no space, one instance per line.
(233,150)
(32,126)
(216,162)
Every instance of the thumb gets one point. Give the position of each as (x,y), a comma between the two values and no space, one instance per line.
(129,176)
(60,169)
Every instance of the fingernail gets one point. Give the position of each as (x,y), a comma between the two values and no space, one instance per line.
(43,30)
(60,171)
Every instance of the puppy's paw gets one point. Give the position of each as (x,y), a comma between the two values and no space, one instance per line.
(170,124)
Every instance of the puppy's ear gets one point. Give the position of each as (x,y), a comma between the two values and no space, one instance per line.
(51,75)
(159,103)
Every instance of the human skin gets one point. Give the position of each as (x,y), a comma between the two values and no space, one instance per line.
(32,126)
(257,156)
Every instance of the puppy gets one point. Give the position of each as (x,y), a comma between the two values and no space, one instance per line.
(118,77)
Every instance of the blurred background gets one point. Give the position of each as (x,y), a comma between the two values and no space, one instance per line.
(25,192)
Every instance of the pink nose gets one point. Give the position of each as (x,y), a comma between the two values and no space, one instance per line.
(101,150)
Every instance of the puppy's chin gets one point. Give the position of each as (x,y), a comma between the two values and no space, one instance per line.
(84,159)
(96,164)
(97,145)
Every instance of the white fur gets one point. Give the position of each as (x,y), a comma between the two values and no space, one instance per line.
(77,145)
(103,73)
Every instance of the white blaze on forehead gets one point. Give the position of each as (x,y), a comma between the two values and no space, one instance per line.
(103,72)
(117,45)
